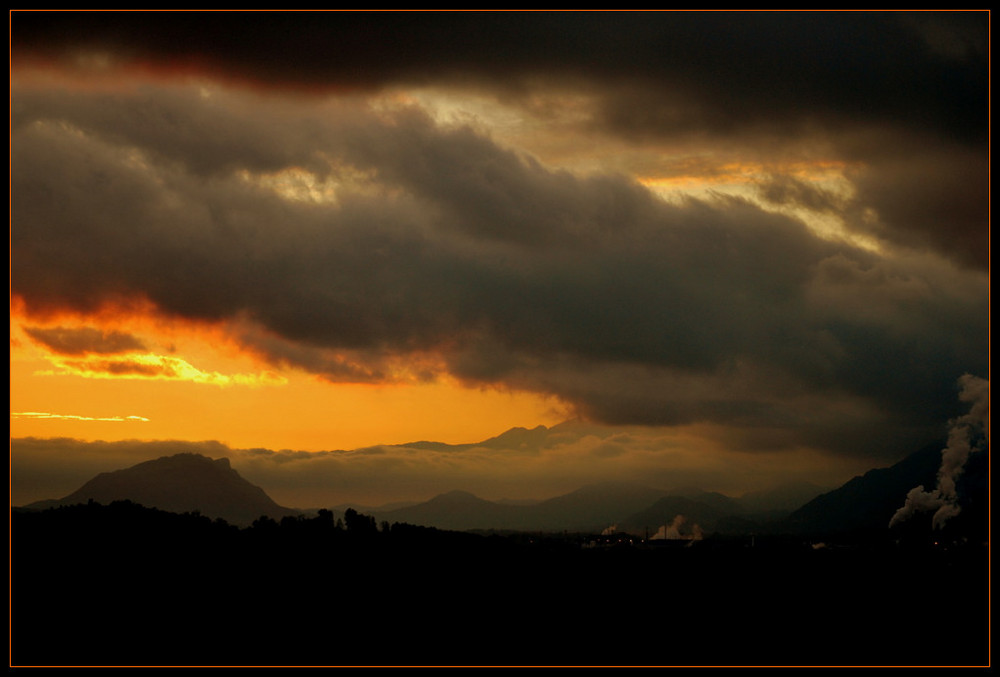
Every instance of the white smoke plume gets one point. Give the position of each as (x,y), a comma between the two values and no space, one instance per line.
(965,437)
(672,532)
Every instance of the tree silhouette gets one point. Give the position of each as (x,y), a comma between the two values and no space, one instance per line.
(359,524)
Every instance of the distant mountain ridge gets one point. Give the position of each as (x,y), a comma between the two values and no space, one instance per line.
(181,483)
(460,511)
(191,482)
(864,503)
(593,508)
(514,438)
(590,508)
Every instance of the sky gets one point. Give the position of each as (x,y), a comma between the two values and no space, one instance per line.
(730,249)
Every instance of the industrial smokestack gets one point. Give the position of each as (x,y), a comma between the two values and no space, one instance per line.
(968,434)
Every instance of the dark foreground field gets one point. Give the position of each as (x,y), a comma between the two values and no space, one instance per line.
(123,585)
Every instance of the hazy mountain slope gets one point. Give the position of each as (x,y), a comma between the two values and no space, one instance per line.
(591,508)
(460,510)
(596,506)
(679,512)
(866,502)
(870,500)
(720,502)
(180,483)
(783,498)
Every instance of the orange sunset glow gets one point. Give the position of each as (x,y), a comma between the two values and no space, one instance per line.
(187,383)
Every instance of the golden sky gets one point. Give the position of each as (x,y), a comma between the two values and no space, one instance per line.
(183,385)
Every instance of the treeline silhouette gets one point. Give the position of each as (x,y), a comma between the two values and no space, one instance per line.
(122,584)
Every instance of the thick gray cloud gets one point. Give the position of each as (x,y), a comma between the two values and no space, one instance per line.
(930,194)
(722,70)
(899,80)
(903,94)
(436,245)
(439,241)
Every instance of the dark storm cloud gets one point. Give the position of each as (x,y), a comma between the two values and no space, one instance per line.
(733,68)
(904,93)
(918,193)
(441,242)
(180,126)
(931,194)
(84,340)
(788,190)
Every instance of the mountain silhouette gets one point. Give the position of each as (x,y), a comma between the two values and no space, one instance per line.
(590,508)
(191,482)
(461,511)
(536,438)
(597,506)
(180,483)
(719,502)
